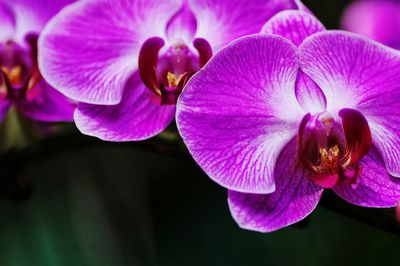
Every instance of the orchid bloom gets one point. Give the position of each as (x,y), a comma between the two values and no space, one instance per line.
(126,61)
(21,83)
(376,19)
(280,116)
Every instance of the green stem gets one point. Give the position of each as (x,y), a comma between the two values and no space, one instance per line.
(14,163)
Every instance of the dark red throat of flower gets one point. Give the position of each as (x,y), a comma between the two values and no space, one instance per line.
(332,156)
(17,76)
(167,85)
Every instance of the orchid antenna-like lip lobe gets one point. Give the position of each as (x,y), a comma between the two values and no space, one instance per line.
(148,59)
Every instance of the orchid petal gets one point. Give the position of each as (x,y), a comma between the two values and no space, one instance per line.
(7,22)
(31,16)
(309,95)
(293,25)
(136,117)
(294,199)
(354,72)
(234,18)
(237,113)
(386,137)
(302,6)
(378,20)
(182,25)
(48,105)
(90,49)
(374,187)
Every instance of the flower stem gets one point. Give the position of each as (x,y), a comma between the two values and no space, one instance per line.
(15,162)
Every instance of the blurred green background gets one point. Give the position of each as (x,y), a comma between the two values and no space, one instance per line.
(114,204)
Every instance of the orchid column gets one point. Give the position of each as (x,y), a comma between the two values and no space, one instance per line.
(127,61)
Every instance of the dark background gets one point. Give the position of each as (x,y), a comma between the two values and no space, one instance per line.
(116,204)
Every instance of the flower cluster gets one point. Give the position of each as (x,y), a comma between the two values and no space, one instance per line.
(270,104)
(21,83)
(126,61)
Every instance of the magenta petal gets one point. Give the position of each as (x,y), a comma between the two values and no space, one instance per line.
(354,72)
(302,7)
(294,25)
(375,187)
(386,137)
(234,18)
(136,117)
(7,22)
(377,19)
(48,105)
(90,49)
(182,25)
(30,16)
(309,95)
(295,197)
(239,111)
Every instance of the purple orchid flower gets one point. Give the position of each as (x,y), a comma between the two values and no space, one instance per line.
(21,83)
(126,61)
(376,19)
(278,117)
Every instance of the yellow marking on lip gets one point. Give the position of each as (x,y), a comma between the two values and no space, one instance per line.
(329,158)
(14,74)
(173,81)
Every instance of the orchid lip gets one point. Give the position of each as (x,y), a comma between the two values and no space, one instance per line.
(204,49)
(17,76)
(333,157)
(166,75)
(13,91)
(148,59)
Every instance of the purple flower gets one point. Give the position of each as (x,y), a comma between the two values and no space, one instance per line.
(377,19)
(277,119)
(126,61)
(21,83)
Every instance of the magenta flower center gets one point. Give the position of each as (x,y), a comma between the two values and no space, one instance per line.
(332,152)
(166,71)
(18,70)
